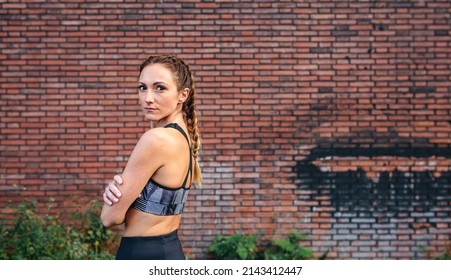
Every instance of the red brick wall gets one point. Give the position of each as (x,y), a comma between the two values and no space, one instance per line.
(329,117)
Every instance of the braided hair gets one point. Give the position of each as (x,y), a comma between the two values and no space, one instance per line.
(184,79)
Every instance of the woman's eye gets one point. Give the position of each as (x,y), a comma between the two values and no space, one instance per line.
(160,88)
(142,88)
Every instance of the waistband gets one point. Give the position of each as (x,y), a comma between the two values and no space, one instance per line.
(165,237)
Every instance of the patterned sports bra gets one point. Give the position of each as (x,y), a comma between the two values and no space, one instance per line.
(160,200)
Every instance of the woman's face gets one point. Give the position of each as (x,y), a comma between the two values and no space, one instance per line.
(158,95)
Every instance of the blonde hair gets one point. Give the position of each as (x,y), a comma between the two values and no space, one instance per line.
(184,79)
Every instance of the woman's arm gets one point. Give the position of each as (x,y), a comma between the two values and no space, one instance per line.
(146,158)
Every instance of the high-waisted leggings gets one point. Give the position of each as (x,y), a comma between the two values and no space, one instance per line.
(162,247)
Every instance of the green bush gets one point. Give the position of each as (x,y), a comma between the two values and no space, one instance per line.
(102,242)
(288,248)
(446,254)
(234,247)
(248,247)
(37,236)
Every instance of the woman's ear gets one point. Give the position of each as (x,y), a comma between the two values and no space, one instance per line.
(183,95)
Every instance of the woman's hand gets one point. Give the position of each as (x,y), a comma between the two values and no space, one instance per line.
(112,193)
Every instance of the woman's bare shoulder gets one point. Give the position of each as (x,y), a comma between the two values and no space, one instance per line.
(157,137)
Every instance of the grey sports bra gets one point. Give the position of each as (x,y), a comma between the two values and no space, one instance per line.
(160,200)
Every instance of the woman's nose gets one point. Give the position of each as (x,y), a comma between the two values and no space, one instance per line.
(149,97)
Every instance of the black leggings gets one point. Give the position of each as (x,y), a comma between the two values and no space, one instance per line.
(163,247)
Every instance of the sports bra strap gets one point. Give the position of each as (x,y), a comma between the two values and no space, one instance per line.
(176,126)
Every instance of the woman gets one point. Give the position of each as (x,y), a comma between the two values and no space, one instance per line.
(162,166)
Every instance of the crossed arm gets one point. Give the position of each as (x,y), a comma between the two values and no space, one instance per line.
(128,186)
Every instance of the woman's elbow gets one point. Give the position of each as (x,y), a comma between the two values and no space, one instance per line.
(106,222)
(110,220)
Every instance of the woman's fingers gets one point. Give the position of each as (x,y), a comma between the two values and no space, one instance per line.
(111,194)
(118,179)
(106,199)
(114,190)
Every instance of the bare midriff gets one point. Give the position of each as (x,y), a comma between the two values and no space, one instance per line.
(138,223)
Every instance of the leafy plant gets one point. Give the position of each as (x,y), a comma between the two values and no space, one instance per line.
(288,248)
(248,247)
(234,247)
(429,254)
(446,254)
(43,236)
(3,233)
(90,231)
